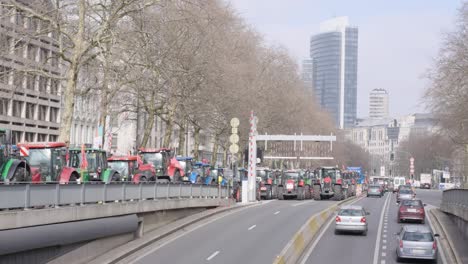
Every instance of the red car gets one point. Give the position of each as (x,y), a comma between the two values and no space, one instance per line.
(411,210)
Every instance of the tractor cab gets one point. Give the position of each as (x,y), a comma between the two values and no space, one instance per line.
(216,176)
(168,168)
(126,166)
(97,168)
(48,162)
(199,172)
(329,184)
(266,176)
(12,169)
(187,164)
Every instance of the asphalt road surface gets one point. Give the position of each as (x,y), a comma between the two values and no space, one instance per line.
(252,235)
(379,246)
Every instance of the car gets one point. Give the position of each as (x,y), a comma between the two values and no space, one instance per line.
(411,210)
(351,218)
(416,242)
(405,194)
(374,190)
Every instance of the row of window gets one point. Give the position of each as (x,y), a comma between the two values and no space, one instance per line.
(31,110)
(21,136)
(29,81)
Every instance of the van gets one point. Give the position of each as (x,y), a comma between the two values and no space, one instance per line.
(397,181)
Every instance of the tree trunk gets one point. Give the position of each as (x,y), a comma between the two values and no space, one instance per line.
(69,103)
(214,156)
(225,153)
(182,140)
(169,127)
(148,127)
(196,142)
(464,184)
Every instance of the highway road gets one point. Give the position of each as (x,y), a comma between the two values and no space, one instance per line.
(379,246)
(252,235)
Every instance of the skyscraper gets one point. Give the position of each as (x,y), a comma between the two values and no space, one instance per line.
(378,103)
(334,53)
(308,74)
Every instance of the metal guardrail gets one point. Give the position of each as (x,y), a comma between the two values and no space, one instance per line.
(455,201)
(37,195)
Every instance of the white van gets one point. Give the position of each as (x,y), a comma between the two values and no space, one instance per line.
(397,181)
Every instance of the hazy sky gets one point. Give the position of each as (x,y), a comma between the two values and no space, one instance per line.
(398,39)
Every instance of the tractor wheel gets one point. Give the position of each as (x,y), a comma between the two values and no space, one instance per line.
(115,177)
(20,175)
(308,194)
(316,193)
(338,193)
(300,193)
(269,193)
(73,178)
(280,193)
(177,177)
(143,179)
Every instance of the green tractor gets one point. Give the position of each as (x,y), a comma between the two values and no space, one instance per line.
(97,168)
(12,169)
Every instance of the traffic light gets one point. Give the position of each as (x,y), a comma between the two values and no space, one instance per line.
(392,156)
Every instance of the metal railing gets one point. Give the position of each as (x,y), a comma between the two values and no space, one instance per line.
(38,195)
(455,201)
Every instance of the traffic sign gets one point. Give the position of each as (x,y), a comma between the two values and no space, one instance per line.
(24,151)
(234,130)
(235,122)
(234,148)
(234,139)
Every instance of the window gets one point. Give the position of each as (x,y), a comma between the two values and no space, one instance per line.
(54,87)
(19,48)
(29,137)
(43,55)
(30,81)
(19,18)
(53,114)
(17,108)
(54,59)
(41,137)
(53,138)
(42,113)
(32,52)
(16,136)
(30,107)
(4,106)
(18,81)
(42,84)
(4,73)
(114,140)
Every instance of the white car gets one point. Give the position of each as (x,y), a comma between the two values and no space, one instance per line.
(351,218)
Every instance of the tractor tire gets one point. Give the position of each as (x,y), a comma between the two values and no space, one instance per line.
(308,195)
(338,193)
(269,194)
(316,193)
(177,177)
(300,193)
(115,177)
(73,178)
(364,233)
(280,193)
(20,175)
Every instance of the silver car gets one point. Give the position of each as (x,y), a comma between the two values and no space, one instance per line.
(351,218)
(416,242)
(405,194)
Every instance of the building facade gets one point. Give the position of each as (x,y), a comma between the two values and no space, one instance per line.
(30,91)
(334,52)
(378,103)
(308,74)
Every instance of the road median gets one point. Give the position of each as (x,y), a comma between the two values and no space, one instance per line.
(436,218)
(296,246)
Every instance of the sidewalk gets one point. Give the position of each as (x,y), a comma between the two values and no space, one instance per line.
(458,243)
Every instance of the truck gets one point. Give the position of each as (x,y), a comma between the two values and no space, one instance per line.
(130,168)
(295,184)
(91,164)
(12,169)
(168,168)
(268,187)
(48,162)
(328,184)
(425,181)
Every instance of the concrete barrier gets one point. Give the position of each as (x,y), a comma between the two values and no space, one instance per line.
(294,249)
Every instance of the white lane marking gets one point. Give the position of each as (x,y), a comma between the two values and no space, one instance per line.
(384,241)
(189,231)
(277,212)
(301,203)
(382,261)
(384,247)
(385,230)
(384,254)
(267,202)
(212,255)
(379,231)
(252,227)
(322,232)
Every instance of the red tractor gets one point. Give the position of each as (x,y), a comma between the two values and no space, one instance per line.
(48,162)
(132,169)
(168,168)
(328,184)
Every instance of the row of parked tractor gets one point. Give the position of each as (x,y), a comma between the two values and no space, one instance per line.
(56,162)
(301,184)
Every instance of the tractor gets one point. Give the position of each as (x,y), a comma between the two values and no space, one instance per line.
(237,185)
(267,184)
(130,168)
(199,171)
(168,168)
(48,162)
(349,182)
(188,166)
(97,169)
(295,184)
(215,176)
(12,169)
(328,184)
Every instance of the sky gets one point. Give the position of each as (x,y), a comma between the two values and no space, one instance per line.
(398,39)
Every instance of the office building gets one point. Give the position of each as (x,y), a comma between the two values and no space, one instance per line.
(308,74)
(334,52)
(378,103)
